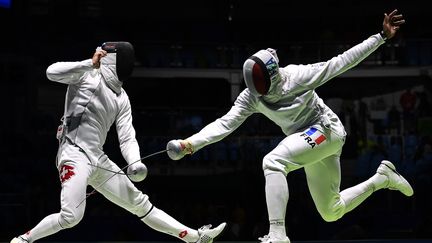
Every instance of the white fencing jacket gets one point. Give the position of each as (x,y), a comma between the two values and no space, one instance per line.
(94,101)
(291,103)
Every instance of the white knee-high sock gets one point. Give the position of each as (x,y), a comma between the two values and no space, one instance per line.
(355,195)
(47,226)
(162,222)
(276,189)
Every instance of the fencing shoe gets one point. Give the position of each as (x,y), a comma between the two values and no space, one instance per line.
(271,239)
(207,235)
(19,239)
(395,180)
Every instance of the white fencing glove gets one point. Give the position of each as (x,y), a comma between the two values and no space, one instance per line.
(177,149)
(137,172)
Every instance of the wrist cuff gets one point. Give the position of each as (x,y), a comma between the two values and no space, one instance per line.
(383,35)
(187,146)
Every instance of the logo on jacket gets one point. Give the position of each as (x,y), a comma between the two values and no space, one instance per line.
(271,66)
(312,137)
(66,172)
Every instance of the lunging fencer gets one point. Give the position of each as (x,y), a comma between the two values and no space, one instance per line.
(95,100)
(314,133)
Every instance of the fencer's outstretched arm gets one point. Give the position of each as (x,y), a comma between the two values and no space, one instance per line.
(224,125)
(129,147)
(314,75)
(126,132)
(243,107)
(73,72)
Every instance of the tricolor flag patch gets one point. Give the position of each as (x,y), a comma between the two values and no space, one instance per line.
(313,137)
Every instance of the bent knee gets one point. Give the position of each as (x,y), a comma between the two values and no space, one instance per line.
(142,208)
(69,219)
(330,217)
(333,213)
(271,164)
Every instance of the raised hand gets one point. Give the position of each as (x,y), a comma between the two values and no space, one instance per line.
(97,56)
(392,23)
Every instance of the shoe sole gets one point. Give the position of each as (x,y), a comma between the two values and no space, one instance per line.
(391,166)
(18,239)
(278,241)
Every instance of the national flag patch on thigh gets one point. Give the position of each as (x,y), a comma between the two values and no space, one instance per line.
(66,172)
(313,137)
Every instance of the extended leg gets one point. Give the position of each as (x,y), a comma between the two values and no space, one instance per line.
(74,183)
(324,181)
(295,151)
(121,191)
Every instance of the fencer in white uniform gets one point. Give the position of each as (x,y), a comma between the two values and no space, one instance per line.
(95,100)
(314,133)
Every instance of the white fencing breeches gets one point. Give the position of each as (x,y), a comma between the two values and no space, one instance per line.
(317,150)
(76,173)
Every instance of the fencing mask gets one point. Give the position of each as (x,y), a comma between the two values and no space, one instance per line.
(260,70)
(125,57)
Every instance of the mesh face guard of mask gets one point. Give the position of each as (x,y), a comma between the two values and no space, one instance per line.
(125,57)
(259,70)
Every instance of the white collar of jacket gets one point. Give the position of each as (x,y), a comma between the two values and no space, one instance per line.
(109,73)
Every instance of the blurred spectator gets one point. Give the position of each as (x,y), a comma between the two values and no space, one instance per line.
(411,142)
(424,108)
(378,110)
(395,151)
(369,158)
(394,121)
(408,101)
(347,116)
(423,166)
(362,118)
